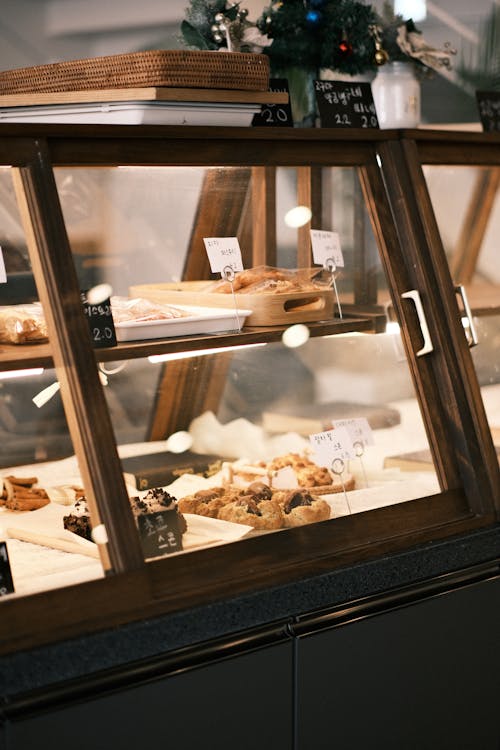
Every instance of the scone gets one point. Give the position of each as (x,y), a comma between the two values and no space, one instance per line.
(206,502)
(255,507)
(299,507)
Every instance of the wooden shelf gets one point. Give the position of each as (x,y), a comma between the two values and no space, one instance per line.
(17,357)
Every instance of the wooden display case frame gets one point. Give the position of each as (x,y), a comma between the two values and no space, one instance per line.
(444,379)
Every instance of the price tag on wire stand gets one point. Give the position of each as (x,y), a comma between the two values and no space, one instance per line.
(330,445)
(327,253)
(359,430)
(361,435)
(223,253)
(326,247)
(333,449)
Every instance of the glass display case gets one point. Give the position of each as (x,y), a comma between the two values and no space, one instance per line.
(462,181)
(174,433)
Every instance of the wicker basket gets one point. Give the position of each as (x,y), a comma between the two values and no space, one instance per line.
(172,68)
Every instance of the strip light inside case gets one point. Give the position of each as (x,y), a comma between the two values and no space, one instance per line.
(156,358)
(20,373)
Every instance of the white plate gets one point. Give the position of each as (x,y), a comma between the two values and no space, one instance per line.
(136,113)
(200,320)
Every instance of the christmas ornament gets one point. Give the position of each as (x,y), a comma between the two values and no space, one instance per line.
(313,17)
(345,47)
(381,56)
(229,25)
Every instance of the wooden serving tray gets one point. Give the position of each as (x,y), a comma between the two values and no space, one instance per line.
(267,309)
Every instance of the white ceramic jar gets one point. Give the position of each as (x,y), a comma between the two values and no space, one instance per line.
(396,93)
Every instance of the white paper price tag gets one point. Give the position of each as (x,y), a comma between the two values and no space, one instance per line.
(358,429)
(3,274)
(331,445)
(326,247)
(223,253)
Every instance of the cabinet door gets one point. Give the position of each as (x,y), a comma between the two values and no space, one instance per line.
(425,676)
(240,702)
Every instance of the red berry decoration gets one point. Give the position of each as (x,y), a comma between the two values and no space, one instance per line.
(345,48)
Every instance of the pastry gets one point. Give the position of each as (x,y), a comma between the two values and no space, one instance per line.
(22,324)
(263,514)
(155,501)
(308,473)
(254,506)
(79,520)
(299,507)
(206,502)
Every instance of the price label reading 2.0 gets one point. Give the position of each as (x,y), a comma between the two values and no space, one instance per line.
(100,320)
(275,115)
(344,105)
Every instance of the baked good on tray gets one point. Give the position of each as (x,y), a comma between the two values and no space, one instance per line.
(300,507)
(269,280)
(257,505)
(254,506)
(154,501)
(22,324)
(78,521)
(319,479)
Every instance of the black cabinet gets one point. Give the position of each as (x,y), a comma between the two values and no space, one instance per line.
(424,676)
(244,701)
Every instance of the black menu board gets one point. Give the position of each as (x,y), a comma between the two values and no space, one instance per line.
(275,115)
(488,104)
(160,533)
(6,584)
(100,320)
(345,105)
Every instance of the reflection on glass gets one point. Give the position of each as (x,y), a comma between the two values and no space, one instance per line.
(245,426)
(471,246)
(42,493)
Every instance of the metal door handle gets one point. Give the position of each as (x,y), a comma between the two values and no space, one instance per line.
(415,296)
(472,337)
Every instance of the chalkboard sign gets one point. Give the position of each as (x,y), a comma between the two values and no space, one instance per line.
(345,105)
(100,320)
(6,583)
(160,533)
(275,115)
(488,103)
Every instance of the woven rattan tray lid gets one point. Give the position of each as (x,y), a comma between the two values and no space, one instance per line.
(171,68)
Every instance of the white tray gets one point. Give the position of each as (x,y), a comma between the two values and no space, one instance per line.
(200,320)
(136,113)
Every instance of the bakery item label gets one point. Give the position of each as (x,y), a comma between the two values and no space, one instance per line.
(160,533)
(100,320)
(6,583)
